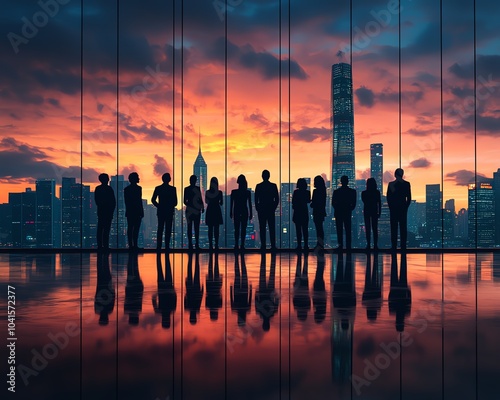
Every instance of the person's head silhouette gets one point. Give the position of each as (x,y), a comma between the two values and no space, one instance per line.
(319,182)
(371,184)
(133,177)
(266,175)
(104,179)
(242,182)
(399,173)
(301,184)
(344,180)
(166,177)
(193,179)
(214,184)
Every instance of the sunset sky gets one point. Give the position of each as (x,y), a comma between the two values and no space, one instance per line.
(171,76)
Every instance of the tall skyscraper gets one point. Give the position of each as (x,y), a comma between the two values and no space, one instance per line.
(75,208)
(47,218)
(481,215)
(496,191)
(377,164)
(118,235)
(342,124)
(200,170)
(433,214)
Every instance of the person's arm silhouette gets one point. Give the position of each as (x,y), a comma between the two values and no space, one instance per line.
(155,197)
(249,198)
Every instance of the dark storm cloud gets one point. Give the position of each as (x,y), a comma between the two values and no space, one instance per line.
(265,63)
(365,96)
(465,177)
(21,161)
(310,134)
(487,69)
(420,163)
(160,166)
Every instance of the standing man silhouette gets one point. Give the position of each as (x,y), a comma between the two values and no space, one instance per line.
(398,200)
(134,210)
(105,201)
(194,207)
(266,201)
(343,203)
(165,200)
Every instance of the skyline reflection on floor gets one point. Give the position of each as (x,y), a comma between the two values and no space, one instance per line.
(246,327)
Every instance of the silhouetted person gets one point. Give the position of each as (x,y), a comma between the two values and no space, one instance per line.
(241,291)
(266,201)
(318,205)
(400,292)
(300,199)
(372,294)
(194,207)
(194,289)
(165,200)
(213,299)
(266,298)
(134,290)
(213,216)
(165,300)
(104,301)
(319,289)
(301,298)
(240,210)
(134,210)
(343,202)
(372,208)
(105,201)
(398,200)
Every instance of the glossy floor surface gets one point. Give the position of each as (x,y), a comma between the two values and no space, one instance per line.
(321,326)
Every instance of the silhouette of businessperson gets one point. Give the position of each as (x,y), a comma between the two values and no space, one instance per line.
(194,207)
(165,200)
(301,298)
(213,283)
(105,201)
(318,205)
(266,201)
(194,289)
(104,300)
(165,299)
(372,293)
(400,292)
(398,200)
(213,216)
(372,208)
(134,210)
(134,290)
(266,297)
(300,199)
(241,291)
(240,210)
(343,203)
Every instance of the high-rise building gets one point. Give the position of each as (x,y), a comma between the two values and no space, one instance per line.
(377,164)
(5,224)
(47,218)
(342,124)
(496,192)
(433,214)
(75,208)
(118,235)
(463,226)
(481,215)
(200,170)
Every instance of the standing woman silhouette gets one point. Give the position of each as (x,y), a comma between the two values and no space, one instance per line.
(240,210)
(318,204)
(300,198)
(372,209)
(213,216)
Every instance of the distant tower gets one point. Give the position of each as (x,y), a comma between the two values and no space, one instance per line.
(433,213)
(342,124)
(200,169)
(377,164)
(481,215)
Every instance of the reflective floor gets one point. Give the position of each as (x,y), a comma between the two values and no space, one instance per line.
(254,327)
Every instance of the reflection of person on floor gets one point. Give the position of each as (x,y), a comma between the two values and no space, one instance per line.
(165,300)
(344,294)
(241,291)
(319,289)
(301,298)
(213,299)
(194,289)
(266,298)
(104,301)
(400,292)
(134,290)
(372,294)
